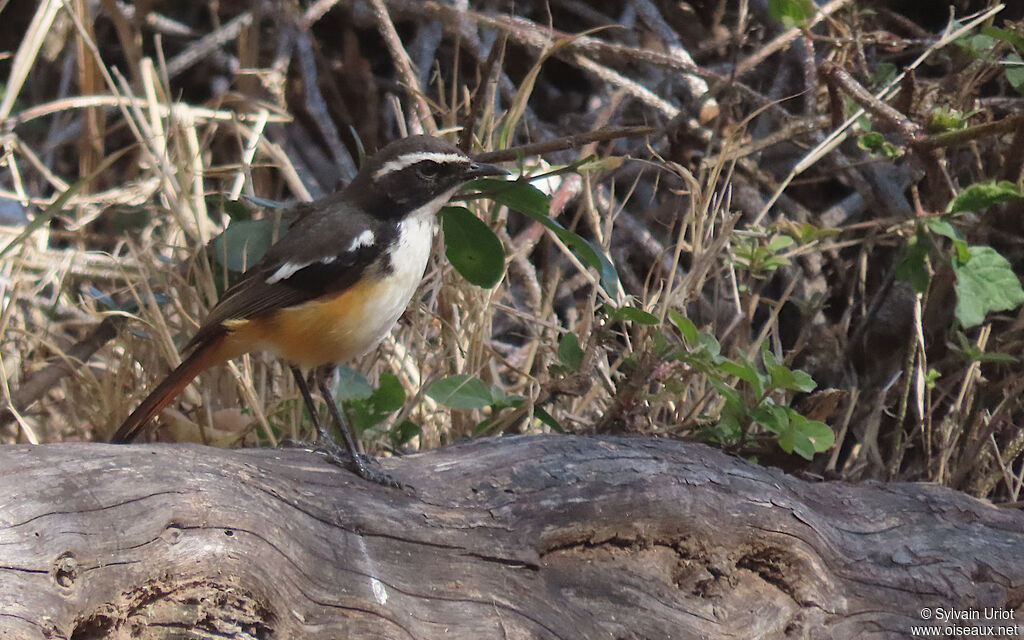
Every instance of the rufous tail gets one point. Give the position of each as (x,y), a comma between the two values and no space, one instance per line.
(205,356)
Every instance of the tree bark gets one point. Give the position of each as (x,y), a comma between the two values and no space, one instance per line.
(517,537)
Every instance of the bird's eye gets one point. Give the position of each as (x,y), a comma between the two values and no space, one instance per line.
(428,170)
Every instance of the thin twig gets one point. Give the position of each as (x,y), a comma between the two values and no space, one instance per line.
(404,64)
(784,39)
(41,382)
(565,142)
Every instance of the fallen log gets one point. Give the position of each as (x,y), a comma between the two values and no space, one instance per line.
(516,537)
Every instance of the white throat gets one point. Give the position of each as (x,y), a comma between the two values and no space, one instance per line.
(409,255)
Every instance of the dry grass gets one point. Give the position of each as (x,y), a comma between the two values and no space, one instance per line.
(155,126)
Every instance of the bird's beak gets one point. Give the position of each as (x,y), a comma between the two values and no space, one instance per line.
(481,169)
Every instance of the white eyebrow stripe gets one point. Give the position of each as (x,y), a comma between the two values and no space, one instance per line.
(289,269)
(364,239)
(409,159)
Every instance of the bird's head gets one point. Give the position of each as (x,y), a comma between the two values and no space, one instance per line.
(412,172)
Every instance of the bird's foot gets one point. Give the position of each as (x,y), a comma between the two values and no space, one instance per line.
(339,456)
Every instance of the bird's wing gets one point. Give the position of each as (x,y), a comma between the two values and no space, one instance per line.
(328,248)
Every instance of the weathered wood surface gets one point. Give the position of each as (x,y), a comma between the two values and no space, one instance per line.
(524,537)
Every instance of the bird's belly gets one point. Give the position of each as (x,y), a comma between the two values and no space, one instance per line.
(344,326)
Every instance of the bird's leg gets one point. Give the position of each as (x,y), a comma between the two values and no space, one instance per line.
(300,380)
(321,375)
(325,443)
(354,461)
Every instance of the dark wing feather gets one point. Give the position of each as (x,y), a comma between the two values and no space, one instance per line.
(319,237)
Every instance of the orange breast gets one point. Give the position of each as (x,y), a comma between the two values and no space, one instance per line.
(328,330)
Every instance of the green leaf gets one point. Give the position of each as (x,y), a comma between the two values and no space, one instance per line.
(984,194)
(548,419)
(596,163)
(685,326)
(792,13)
(778,243)
(812,436)
(569,351)
(851,107)
(746,371)
(349,384)
(762,259)
(795,433)
(710,344)
(802,381)
(471,247)
(871,141)
(403,433)
(502,400)
(461,391)
(234,209)
(366,412)
(774,418)
(591,255)
(985,283)
(975,44)
(943,118)
(632,314)
(784,378)
(913,268)
(531,202)
(875,143)
(995,358)
(1014,70)
(883,73)
(942,226)
(806,232)
(389,395)
(244,242)
(1005,35)
(519,196)
(731,422)
(974,354)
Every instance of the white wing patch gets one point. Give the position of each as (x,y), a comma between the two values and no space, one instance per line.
(289,269)
(409,159)
(364,239)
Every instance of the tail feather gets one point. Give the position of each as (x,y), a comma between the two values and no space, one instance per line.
(206,355)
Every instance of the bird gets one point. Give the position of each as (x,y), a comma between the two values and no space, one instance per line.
(334,285)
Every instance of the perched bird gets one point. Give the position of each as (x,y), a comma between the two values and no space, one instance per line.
(336,283)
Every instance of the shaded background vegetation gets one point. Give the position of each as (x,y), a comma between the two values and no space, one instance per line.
(746,246)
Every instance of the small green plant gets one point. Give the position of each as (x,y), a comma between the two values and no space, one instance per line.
(943,118)
(570,356)
(464,391)
(367,409)
(792,13)
(531,202)
(870,140)
(760,254)
(983,45)
(804,232)
(876,144)
(751,393)
(471,247)
(985,280)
